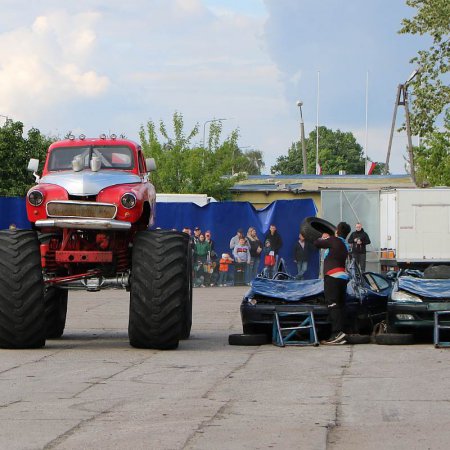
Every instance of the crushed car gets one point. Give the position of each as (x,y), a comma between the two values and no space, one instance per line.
(366,303)
(415,297)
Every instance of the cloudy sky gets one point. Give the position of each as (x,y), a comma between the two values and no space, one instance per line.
(95,66)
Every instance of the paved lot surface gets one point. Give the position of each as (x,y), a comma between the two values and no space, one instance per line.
(91,390)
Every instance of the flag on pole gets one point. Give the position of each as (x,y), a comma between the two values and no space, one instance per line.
(370,166)
(318,169)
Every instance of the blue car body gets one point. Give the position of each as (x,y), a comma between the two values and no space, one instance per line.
(366,301)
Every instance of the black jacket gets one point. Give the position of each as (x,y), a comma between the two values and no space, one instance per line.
(275,241)
(337,254)
(365,240)
(302,253)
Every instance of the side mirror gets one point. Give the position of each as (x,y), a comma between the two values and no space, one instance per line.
(33,165)
(150,163)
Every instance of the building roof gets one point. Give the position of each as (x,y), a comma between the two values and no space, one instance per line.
(314,183)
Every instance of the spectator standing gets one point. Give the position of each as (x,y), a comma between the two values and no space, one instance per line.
(269,259)
(209,240)
(255,252)
(275,239)
(335,279)
(224,269)
(197,233)
(358,241)
(302,252)
(210,269)
(201,249)
(241,253)
(235,239)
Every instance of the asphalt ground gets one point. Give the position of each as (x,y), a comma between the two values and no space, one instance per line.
(91,390)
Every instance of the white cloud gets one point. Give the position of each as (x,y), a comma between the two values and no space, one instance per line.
(47,63)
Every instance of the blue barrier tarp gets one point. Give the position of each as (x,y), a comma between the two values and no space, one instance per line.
(222,218)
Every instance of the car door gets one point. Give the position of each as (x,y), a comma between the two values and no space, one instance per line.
(375,292)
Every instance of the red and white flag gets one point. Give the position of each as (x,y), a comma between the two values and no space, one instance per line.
(318,169)
(370,166)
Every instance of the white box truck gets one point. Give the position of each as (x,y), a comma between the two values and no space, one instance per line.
(415,227)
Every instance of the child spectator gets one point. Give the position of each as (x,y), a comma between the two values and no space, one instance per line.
(269,260)
(241,253)
(210,269)
(224,265)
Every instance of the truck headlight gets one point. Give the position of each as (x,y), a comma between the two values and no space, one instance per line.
(36,197)
(128,200)
(403,296)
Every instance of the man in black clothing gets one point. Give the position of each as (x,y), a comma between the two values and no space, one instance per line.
(275,239)
(335,279)
(358,240)
(302,252)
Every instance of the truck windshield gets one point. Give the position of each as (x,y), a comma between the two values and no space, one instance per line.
(111,157)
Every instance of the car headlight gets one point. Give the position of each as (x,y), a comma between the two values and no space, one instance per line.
(403,296)
(128,200)
(36,198)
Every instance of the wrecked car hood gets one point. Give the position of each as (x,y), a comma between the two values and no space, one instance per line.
(288,290)
(425,287)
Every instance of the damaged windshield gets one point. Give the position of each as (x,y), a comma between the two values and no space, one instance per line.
(119,157)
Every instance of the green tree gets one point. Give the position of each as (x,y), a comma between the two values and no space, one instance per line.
(337,151)
(183,167)
(432,160)
(15,152)
(431,90)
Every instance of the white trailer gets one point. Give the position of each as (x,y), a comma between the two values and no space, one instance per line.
(415,226)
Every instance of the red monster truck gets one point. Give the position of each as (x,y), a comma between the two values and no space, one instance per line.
(90,213)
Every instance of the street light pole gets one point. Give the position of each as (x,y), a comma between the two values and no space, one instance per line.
(302,137)
(204,128)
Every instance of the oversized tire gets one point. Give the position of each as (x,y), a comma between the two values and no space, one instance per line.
(355,339)
(394,339)
(55,301)
(312,228)
(248,339)
(158,288)
(437,272)
(187,295)
(22,313)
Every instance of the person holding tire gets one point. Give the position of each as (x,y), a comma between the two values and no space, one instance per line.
(335,279)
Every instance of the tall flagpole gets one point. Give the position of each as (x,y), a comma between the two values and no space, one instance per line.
(317,123)
(366,149)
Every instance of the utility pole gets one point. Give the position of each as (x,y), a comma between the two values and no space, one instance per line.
(402,100)
(302,137)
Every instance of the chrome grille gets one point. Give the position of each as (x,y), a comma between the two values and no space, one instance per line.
(88,210)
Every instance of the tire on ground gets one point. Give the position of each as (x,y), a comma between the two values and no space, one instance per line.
(55,301)
(312,228)
(22,317)
(248,339)
(355,339)
(158,287)
(187,295)
(394,339)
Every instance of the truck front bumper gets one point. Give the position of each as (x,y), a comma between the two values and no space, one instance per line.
(84,224)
